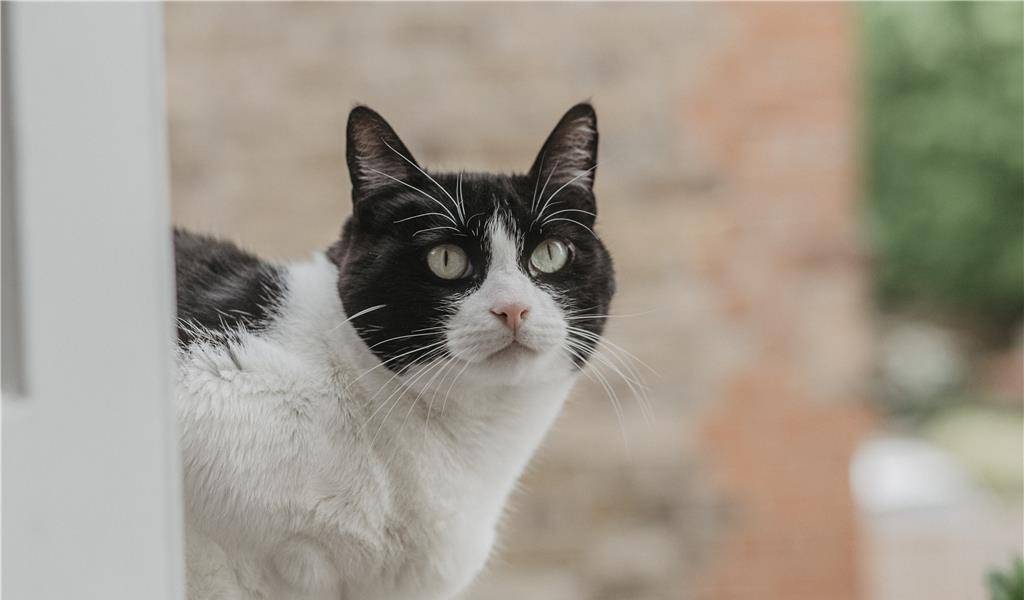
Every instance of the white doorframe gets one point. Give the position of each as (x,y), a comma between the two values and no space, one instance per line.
(91,489)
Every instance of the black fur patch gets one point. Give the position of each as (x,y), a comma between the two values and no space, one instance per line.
(401,211)
(221,288)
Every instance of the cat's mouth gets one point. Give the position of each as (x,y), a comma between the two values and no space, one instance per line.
(515,350)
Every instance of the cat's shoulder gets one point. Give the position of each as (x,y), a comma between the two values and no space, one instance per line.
(221,287)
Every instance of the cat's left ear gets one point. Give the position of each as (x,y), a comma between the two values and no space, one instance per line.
(377,159)
(569,155)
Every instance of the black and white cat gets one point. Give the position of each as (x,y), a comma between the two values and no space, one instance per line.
(352,426)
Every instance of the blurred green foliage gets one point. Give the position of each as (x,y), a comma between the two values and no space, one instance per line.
(1007,584)
(945,157)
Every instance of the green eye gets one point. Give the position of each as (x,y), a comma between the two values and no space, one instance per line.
(448,261)
(549,256)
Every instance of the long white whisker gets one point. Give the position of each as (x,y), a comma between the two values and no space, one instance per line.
(402,337)
(436,229)
(449,214)
(448,393)
(566,210)
(555,193)
(576,315)
(427,214)
(430,407)
(426,386)
(394,358)
(636,387)
(359,314)
(436,353)
(424,173)
(571,221)
(612,397)
(536,183)
(604,340)
(548,180)
(399,392)
(462,202)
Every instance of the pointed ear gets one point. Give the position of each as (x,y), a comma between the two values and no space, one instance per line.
(569,156)
(377,159)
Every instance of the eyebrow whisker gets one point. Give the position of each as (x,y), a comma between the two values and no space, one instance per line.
(555,193)
(424,173)
(449,214)
(565,210)
(436,228)
(548,180)
(427,214)
(573,221)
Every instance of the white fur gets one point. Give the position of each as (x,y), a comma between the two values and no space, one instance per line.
(297,488)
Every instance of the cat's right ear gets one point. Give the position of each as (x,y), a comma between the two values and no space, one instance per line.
(377,158)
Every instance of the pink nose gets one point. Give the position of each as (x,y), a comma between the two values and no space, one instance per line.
(512,314)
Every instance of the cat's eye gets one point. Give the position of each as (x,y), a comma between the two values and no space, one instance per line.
(549,256)
(448,261)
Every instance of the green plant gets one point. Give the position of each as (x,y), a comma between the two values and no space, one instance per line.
(945,157)
(1007,584)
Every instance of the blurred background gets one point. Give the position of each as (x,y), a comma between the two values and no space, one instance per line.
(817,217)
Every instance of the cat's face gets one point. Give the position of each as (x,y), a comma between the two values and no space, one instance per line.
(502,273)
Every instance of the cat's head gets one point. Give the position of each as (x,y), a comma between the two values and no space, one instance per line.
(505,274)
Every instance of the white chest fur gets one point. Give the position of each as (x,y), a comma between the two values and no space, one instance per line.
(296,487)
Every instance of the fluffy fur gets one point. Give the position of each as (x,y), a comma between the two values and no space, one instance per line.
(352,425)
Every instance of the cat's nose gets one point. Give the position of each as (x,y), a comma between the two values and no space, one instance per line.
(511,314)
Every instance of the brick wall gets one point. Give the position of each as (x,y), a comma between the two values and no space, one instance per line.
(777,114)
(727,197)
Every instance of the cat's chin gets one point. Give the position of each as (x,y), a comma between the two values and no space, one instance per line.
(513,353)
(517,364)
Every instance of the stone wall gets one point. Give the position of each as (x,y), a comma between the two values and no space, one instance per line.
(727,196)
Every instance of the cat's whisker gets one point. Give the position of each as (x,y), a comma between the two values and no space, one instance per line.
(462,201)
(546,181)
(425,351)
(475,215)
(439,370)
(426,386)
(579,316)
(637,388)
(456,229)
(426,356)
(426,214)
(566,210)
(630,376)
(448,393)
(402,337)
(357,315)
(604,340)
(572,221)
(448,214)
(536,182)
(400,392)
(434,328)
(608,387)
(424,173)
(555,193)
(394,358)
(623,366)
(609,391)
(430,405)
(620,361)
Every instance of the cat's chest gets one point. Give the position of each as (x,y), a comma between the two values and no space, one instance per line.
(278,470)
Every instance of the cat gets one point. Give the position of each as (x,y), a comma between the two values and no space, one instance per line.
(352,425)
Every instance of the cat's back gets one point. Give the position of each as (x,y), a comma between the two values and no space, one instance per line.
(222,288)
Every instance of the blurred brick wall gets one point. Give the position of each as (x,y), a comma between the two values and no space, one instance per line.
(727,196)
(777,114)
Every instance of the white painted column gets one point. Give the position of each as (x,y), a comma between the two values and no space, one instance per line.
(91,487)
